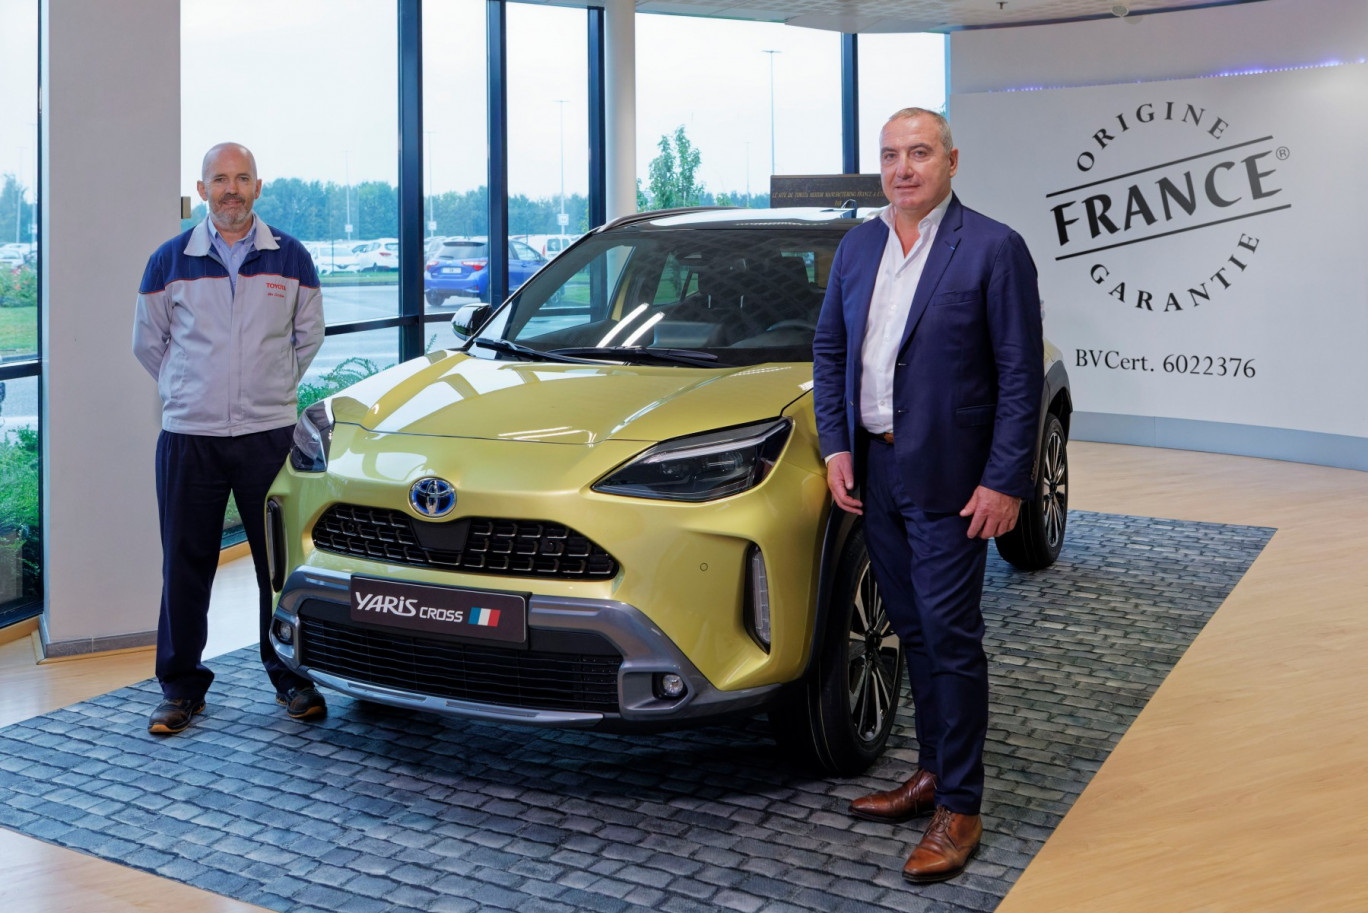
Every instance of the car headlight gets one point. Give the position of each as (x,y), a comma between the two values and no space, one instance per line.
(702,467)
(312,435)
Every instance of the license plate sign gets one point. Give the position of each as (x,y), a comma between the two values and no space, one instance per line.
(451,271)
(467,614)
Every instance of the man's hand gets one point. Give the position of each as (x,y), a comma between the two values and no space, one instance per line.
(841,480)
(993,512)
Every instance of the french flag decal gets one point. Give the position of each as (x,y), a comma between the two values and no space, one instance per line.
(485,618)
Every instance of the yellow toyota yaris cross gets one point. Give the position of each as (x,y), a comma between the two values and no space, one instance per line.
(606,507)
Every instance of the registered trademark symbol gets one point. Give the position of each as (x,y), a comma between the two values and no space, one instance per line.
(1283,153)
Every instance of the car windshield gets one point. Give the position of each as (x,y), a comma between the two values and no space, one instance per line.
(723,296)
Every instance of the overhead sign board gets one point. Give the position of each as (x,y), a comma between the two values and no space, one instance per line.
(830,191)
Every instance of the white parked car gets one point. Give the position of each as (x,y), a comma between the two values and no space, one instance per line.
(548,245)
(382,253)
(334,257)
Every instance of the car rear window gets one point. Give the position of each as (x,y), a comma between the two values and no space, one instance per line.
(456,250)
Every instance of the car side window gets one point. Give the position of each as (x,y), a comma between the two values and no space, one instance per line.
(572,307)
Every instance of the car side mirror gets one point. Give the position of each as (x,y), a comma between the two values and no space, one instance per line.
(469,318)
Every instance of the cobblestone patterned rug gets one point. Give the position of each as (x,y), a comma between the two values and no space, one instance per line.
(380,811)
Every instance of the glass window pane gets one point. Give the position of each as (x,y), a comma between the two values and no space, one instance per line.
(437,333)
(19,181)
(455,151)
(20,457)
(548,133)
(20,522)
(346,359)
(712,79)
(896,72)
(321,120)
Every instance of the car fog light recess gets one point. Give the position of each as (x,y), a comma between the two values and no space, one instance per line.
(670,685)
(284,632)
(275,545)
(758,601)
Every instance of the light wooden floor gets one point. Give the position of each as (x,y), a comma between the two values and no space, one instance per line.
(1242,786)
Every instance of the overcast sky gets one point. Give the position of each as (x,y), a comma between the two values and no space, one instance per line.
(18,91)
(314,92)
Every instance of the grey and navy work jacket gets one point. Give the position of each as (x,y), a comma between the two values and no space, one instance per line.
(228,362)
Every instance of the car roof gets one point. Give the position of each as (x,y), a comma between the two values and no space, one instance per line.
(737,217)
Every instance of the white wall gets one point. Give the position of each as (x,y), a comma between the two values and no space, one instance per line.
(109,195)
(620,101)
(1268,34)
(1048,116)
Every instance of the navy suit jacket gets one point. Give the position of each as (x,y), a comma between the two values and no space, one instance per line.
(970,370)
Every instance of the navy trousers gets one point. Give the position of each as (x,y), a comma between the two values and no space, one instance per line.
(931,576)
(195,476)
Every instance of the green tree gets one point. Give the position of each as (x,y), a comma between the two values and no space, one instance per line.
(19,481)
(296,207)
(16,211)
(19,289)
(375,206)
(672,173)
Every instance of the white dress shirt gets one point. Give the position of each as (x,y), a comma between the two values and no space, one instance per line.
(888,307)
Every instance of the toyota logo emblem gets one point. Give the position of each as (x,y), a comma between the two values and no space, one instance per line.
(432,497)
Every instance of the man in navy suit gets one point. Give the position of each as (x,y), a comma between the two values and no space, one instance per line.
(927,369)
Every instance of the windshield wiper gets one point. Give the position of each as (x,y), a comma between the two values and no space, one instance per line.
(526,353)
(640,354)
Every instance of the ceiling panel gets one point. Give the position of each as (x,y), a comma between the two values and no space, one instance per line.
(918,15)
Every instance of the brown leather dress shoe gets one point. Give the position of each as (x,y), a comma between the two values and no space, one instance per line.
(915,797)
(951,839)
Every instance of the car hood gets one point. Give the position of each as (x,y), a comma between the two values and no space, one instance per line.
(457,395)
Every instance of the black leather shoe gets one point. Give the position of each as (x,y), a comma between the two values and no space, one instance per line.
(303,703)
(171,716)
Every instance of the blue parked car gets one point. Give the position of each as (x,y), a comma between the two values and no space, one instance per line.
(461,267)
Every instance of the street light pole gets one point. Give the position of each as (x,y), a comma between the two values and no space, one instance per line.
(749,204)
(346,173)
(432,216)
(19,201)
(771,61)
(563,220)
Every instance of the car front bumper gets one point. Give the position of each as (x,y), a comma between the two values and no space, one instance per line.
(634,657)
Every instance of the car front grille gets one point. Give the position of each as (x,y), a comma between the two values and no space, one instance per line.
(479,545)
(530,679)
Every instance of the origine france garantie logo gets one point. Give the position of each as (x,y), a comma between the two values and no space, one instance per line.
(1158,182)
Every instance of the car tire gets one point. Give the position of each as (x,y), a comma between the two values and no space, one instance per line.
(435,299)
(1035,542)
(840,716)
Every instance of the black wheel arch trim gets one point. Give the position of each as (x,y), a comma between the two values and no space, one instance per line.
(840,526)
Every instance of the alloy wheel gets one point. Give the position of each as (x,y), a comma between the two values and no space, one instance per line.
(873,652)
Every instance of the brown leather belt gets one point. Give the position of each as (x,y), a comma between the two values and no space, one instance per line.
(886,437)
